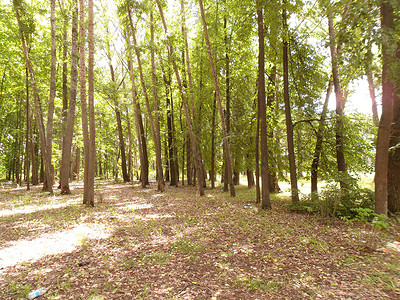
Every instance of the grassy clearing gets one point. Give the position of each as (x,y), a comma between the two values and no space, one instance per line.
(178,245)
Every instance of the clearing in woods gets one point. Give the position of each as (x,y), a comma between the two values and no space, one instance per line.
(141,244)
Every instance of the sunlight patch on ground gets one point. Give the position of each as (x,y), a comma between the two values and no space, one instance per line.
(136,206)
(50,244)
(34,208)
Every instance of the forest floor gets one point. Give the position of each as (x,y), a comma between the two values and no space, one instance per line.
(140,244)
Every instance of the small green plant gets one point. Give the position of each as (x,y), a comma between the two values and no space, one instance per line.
(157,258)
(185,247)
(256,284)
(17,290)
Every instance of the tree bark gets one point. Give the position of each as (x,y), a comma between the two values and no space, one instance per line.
(160,180)
(69,132)
(383,140)
(92,128)
(318,144)
(144,164)
(213,173)
(192,137)
(228,159)
(273,176)
(53,69)
(84,110)
(289,124)
(341,162)
(38,110)
(28,135)
(265,199)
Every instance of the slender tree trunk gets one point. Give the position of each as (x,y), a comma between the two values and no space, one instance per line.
(318,144)
(38,110)
(125,175)
(92,128)
(145,175)
(212,175)
(144,164)
(170,125)
(160,179)
(228,100)
(341,163)
(53,70)
(265,200)
(192,134)
(228,160)
(69,132)
(289,124)
(273,176)
(371,87)
(383,140)
(28,135)
(130,162)
(84,110)
(156,139)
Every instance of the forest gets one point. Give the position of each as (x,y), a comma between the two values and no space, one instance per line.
(196,131)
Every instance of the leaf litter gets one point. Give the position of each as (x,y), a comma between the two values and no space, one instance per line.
(140,244)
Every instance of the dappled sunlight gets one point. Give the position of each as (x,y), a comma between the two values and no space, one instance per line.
(136,206)
(27,209)
(50,244)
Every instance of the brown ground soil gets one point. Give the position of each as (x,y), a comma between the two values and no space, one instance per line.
(141,244)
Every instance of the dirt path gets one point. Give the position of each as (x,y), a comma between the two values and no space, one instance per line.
(141,244)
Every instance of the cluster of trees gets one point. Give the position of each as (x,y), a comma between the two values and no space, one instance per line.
(182,91)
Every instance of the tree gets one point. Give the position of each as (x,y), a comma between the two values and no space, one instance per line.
(192,137)
(228,160)
(156,137)
(69,130)
(265,200)
(289,124)
(383,140)
(340,101)
(38,111)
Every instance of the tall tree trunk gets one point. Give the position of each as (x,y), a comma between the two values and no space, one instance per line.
(92,128)
(228,160)
(53,70)
(341,163)
(257,158)
(318,144)
(265,200)
(192,136)
(84,110)
(145,175)
(28,135)
(69,132)
(394,156)
(212,173)
(160,179)
(38,110)
(170,128)
(273,174)
(383,140)
(130,161)
(144,163)
(228,102)
(156,137)
(125,175)
(289,124)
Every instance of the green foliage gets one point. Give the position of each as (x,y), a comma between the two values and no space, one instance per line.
(332,201)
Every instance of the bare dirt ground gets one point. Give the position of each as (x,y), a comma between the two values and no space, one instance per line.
(141,244)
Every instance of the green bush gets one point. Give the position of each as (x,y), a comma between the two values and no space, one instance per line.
(337,203)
